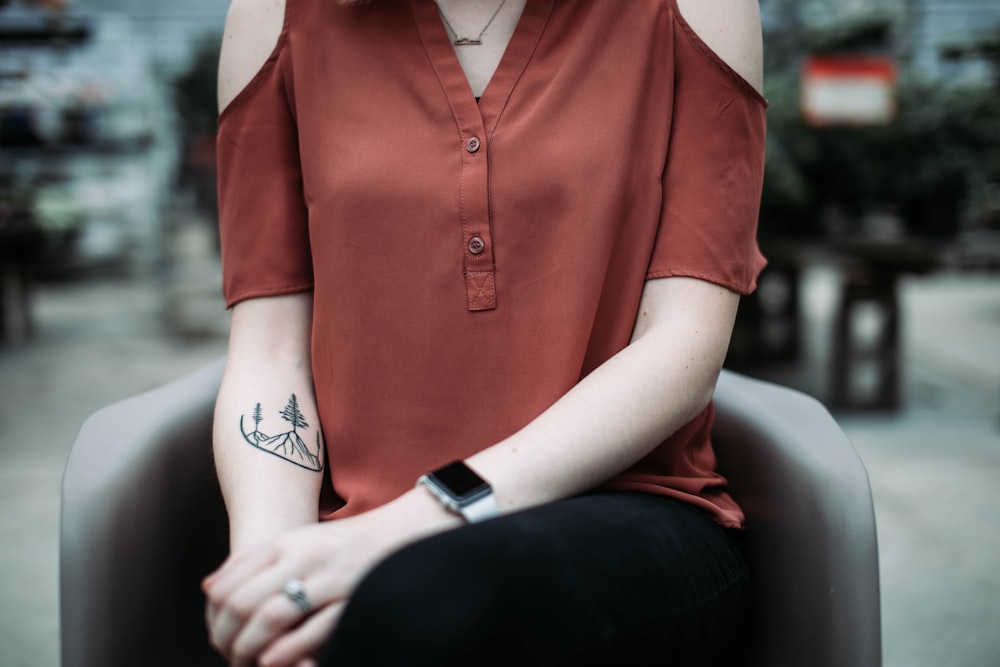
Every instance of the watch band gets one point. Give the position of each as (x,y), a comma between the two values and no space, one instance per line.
(482,509)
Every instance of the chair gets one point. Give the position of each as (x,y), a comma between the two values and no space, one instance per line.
(810,526)
(143,521)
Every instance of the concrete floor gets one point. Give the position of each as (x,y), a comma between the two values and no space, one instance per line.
(933,465)
(96,342)
(934,471)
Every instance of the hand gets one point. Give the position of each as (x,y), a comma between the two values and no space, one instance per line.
(251,621)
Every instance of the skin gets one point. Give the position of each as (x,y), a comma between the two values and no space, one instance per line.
(611,419)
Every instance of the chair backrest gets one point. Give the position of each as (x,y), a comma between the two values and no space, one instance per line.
(810,526)
(143,521)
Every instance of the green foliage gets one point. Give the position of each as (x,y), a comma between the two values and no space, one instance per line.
(945,140)
(943,146)
(864,30)
(56,210)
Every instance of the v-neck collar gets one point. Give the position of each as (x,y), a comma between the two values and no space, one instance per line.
(449,70)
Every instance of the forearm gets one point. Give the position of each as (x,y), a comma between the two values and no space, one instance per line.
(268,444)
(607,422)
(625,408)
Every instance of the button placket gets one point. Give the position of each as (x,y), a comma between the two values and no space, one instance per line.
(477,253)
(475,124)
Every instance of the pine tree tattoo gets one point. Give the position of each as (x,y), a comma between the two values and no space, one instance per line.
(287,445)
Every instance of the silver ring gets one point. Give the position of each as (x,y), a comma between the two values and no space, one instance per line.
(295,591)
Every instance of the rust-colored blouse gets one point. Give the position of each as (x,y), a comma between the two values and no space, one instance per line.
(472,262)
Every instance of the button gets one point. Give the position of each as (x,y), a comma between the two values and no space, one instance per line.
(473,144)
(476,245)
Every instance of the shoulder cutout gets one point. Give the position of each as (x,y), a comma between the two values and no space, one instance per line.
(253,28)
(730,28)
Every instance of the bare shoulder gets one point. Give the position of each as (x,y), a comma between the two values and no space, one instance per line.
(731,28)
(252,31)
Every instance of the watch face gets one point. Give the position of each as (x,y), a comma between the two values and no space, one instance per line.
(460,482)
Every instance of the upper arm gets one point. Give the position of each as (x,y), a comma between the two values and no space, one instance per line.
(252,31)
(272,330)
(690,313)
(714,168)
(731,28)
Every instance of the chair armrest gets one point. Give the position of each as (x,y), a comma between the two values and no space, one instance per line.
(142,521)
(810,520)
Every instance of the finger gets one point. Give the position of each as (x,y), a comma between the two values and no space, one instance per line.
(274,612)
(208,583)
(219,591)
(275,616)
(233,578)
(238,568)
(233,558)
(304,641)
(210,613)
(234,612)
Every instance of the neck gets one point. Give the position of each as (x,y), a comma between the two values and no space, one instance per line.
(469,22)
(480,61)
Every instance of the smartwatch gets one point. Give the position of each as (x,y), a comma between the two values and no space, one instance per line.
(461,491)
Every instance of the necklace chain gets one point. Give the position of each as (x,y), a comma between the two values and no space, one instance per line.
(469,41)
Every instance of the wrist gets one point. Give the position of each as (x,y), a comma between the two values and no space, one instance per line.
(418,514)
(244,535)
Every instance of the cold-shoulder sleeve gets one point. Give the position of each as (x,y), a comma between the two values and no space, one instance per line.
(262,212)
(714,171)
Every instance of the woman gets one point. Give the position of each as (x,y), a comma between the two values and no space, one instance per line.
(509,234)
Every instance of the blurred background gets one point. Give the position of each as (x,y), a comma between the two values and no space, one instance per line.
(880,217)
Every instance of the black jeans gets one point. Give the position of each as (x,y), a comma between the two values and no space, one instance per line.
(600,579)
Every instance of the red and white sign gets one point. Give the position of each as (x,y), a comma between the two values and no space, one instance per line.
(848,90)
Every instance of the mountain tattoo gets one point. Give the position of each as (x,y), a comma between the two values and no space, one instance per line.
(287,445)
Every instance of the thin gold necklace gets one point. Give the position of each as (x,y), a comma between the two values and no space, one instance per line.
(470,41)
